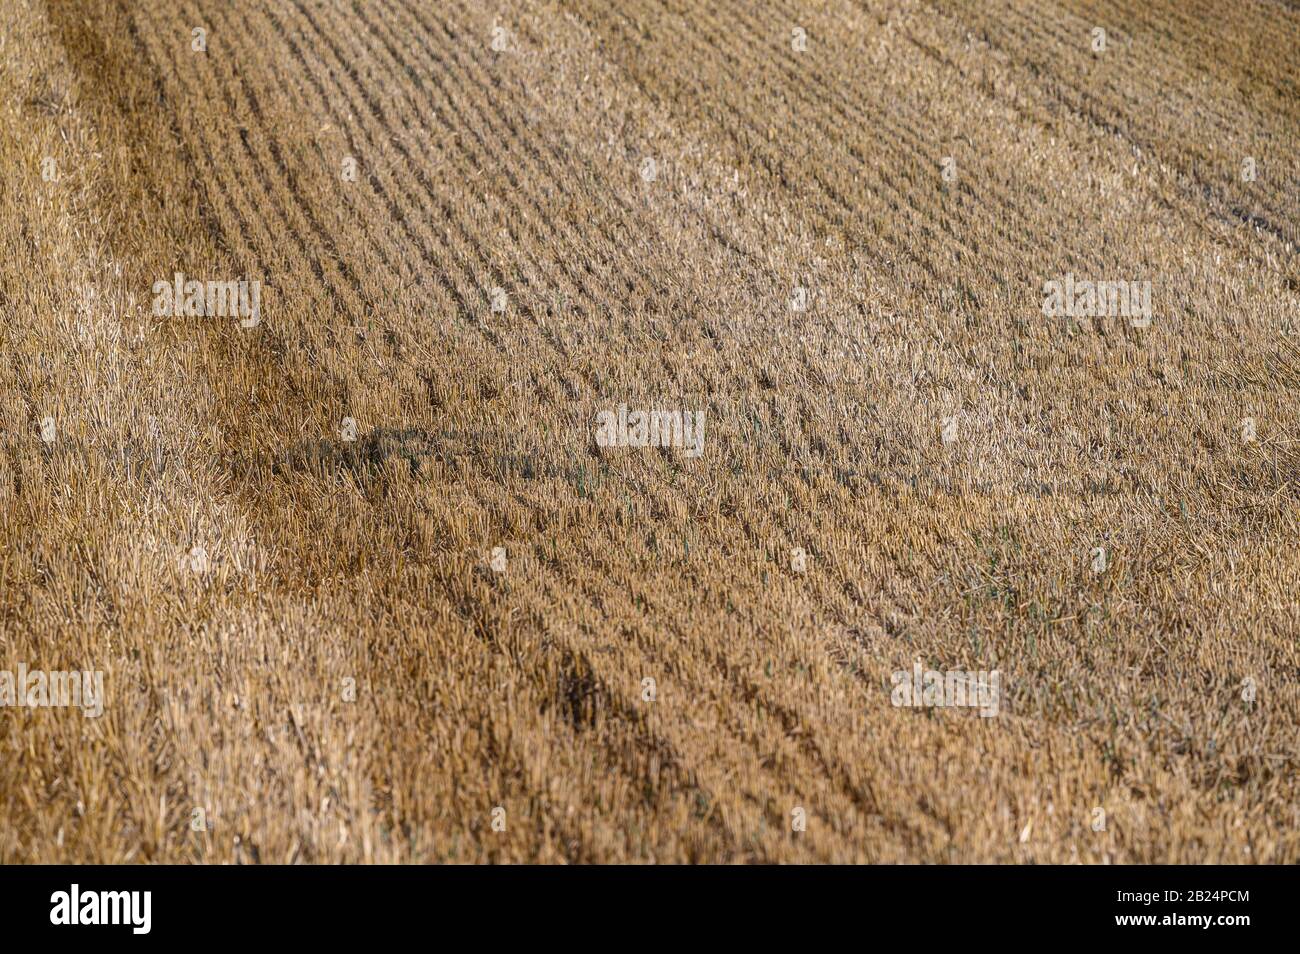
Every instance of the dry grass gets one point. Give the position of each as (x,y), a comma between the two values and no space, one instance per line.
(521,169)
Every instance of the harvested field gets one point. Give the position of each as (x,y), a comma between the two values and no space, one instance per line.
(363,574)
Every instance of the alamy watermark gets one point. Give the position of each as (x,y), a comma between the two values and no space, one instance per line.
(624,428)
(212,299)
(48,689)
(1081,298)
(130,908)
(951,688)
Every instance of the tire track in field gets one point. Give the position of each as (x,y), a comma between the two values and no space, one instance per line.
(237,198)
(738,690)
(809,759)
(468,595)
(196,610)
(677,742)
(579,668)
(711,775)
(290,381)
